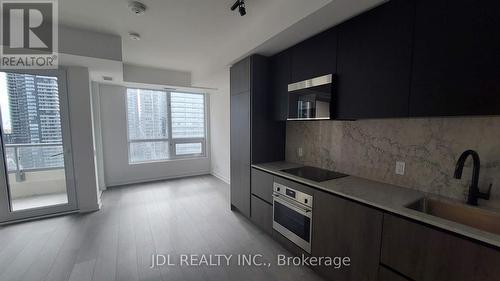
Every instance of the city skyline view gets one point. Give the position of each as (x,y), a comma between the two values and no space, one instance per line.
(164,125)
(31,121)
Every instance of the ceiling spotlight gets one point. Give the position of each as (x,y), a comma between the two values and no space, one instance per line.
(240,4)
(134,36)
(137,8)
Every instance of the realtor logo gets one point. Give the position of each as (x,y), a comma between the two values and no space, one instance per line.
(29,34)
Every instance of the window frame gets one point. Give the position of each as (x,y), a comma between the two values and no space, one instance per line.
(173,156)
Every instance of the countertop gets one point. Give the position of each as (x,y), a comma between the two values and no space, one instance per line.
(387,197)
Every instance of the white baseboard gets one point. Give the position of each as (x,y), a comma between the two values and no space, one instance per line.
(219,176)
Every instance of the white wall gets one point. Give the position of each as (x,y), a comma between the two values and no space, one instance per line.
(117,170)
(82,142)
(152,75)
(96,122)
(219,122)
(85,43)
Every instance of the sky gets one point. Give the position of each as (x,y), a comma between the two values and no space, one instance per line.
(4,103)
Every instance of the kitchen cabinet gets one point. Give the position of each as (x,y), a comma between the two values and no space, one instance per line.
(240,77)
(374,62)
(456,58)
(280,78)
(262,185)
(240,152)
(385,274)
(316,56)
(404,58)
(254,135)
(262,214)
(423,253)
(347,229)
(267,135)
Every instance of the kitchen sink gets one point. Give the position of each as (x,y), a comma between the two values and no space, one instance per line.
(485,220)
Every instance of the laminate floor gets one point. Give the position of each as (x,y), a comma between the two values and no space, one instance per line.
(174,217)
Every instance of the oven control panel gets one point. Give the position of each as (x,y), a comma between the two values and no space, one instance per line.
(293,194)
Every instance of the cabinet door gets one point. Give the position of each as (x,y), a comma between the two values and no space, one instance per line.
(426,254)
(374,62)
(240,77)
(456,58)
(280,78)
(315,56)
(240,152)
(268,135)
(345,228)
(262,214)
(262,185)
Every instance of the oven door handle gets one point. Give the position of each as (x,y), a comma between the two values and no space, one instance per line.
(301,210)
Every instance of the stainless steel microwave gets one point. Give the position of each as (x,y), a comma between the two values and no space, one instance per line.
(310,99)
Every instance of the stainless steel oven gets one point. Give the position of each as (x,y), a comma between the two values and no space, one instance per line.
(292,215)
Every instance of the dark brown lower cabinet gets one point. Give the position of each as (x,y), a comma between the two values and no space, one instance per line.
(262,214)
(385,274)
(346,229)
(423,253)
(262,185)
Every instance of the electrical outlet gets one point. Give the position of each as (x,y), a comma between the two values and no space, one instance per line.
(300,152)
(400,168)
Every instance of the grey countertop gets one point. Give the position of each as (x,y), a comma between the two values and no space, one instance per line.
(384,196)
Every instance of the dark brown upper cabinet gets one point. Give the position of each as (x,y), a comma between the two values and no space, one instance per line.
(316,56)
(456,58)
(374,62)
(280,78)
(240,77)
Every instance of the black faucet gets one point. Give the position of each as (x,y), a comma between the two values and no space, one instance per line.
(474,192)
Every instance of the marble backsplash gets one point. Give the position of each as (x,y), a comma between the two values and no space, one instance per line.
(429,147)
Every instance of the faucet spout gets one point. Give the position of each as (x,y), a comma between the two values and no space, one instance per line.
(474,192)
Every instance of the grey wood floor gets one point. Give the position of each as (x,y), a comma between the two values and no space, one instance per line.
(181,216)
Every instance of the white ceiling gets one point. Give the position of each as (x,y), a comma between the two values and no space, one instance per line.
(204,35)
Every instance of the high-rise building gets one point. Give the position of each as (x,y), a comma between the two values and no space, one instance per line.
(35,119)
(147,120)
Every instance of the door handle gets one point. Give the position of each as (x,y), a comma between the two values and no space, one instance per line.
(291,205)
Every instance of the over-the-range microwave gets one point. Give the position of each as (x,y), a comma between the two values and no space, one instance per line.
(311,99)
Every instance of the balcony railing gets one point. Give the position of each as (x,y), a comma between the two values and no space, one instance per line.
(32,157)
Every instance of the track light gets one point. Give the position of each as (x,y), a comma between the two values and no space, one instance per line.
(240,4)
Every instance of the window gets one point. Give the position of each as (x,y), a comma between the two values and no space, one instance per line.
(31,122)
(165,125)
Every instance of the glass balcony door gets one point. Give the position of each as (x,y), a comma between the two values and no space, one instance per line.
(36,175)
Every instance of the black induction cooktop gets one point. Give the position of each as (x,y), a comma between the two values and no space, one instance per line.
(313,173)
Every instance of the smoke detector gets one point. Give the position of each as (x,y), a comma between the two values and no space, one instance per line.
(137,8)
(134,36)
